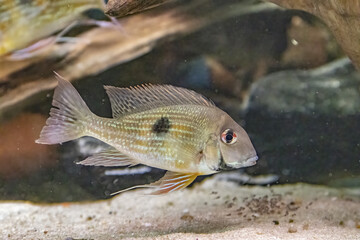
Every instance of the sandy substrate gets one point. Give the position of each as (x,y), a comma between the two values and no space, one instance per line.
(211,210)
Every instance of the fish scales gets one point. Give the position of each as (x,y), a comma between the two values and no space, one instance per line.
(135,136)
(160,126)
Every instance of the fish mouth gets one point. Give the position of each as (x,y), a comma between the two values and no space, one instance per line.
(228,166)
(250,161)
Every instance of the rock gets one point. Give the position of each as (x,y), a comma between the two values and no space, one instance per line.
(211,210)
(329,90)
(304,123)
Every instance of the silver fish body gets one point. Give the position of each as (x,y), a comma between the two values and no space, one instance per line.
(160,126)
(167,137)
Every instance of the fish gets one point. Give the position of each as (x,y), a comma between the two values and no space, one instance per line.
(160,126)
(26,24)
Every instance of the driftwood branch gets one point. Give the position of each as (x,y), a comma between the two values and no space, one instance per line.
(25,83)
(342,17)
(120,8)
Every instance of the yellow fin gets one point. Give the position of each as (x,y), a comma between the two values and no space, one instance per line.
(173,181)
(170,182)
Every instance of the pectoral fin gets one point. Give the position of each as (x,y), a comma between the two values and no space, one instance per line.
(109,158)
(170,182)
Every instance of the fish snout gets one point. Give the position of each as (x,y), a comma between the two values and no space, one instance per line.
(250,161)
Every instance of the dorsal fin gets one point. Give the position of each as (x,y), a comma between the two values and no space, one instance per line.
(147,96)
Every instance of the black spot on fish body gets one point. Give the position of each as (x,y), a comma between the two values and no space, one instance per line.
(161,125)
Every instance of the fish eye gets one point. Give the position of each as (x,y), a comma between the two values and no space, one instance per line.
(228,136)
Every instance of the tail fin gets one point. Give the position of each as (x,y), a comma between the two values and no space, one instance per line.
(68,116)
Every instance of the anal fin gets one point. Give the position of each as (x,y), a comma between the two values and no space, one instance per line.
(170,182)
(109,158)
